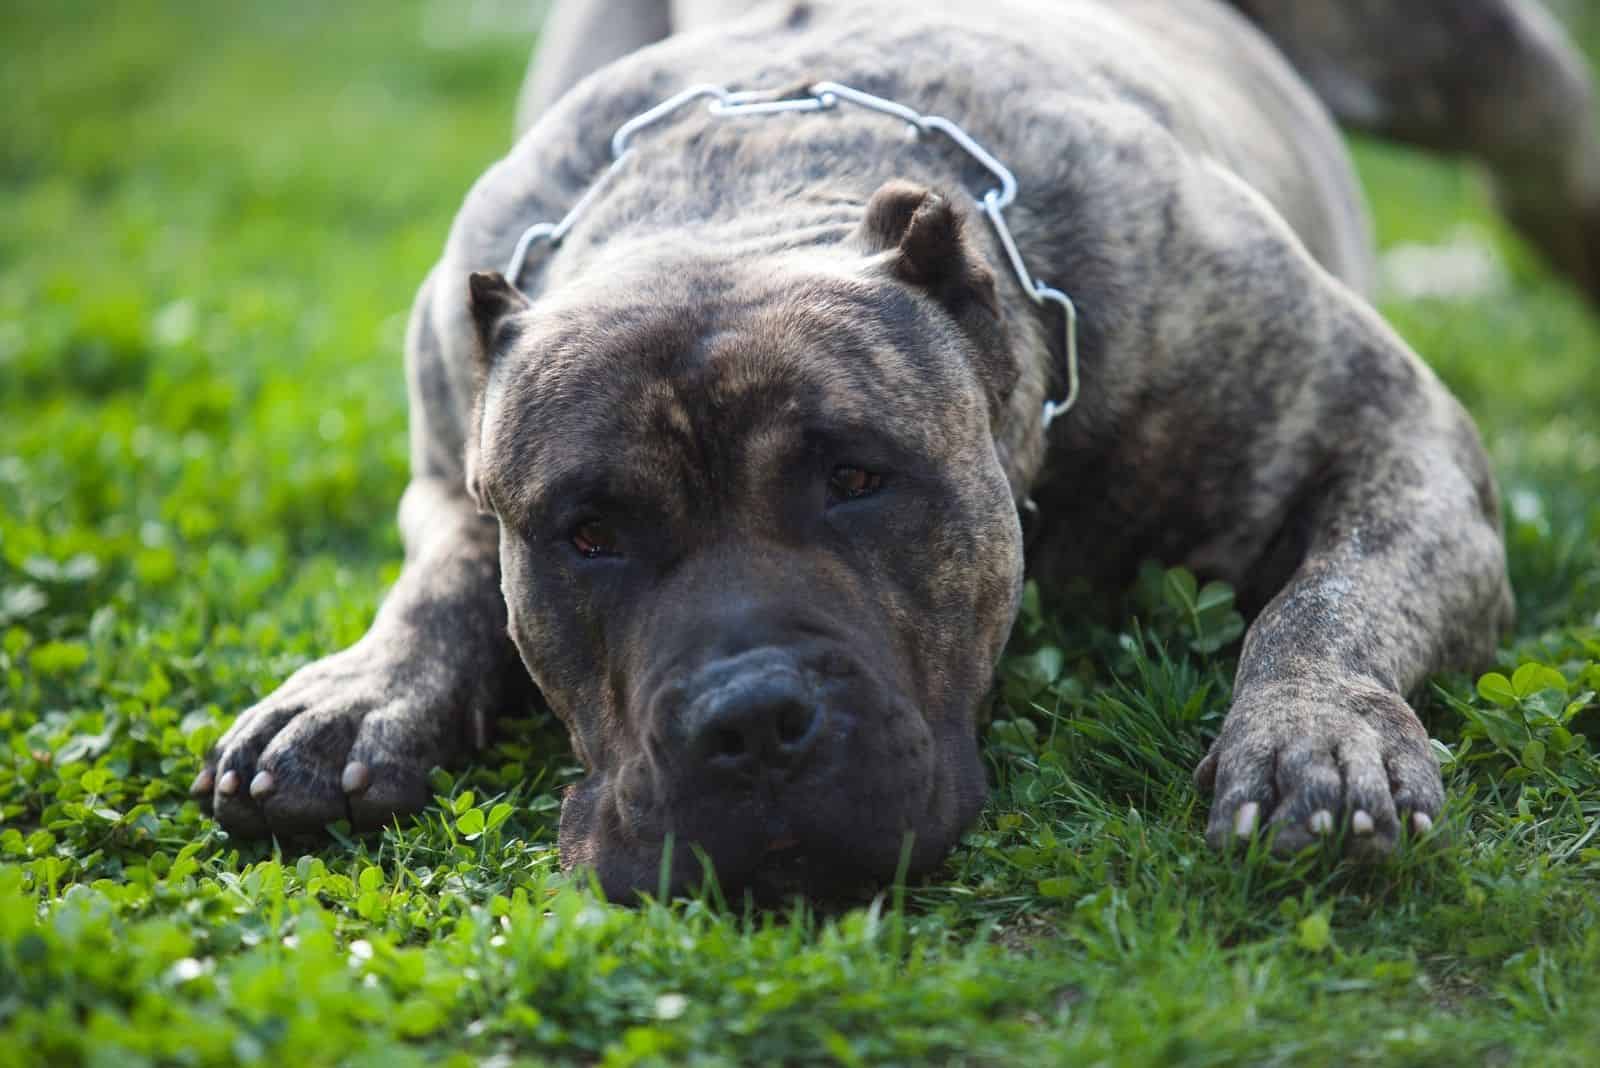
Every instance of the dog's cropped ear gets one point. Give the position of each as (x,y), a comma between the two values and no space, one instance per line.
(922,234)
(926,232)
(495,305)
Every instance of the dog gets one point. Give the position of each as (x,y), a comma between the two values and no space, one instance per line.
(731,476)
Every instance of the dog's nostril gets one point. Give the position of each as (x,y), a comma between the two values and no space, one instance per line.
(727,743)
(794,723)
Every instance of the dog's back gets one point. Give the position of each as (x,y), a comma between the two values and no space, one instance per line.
(1195,68)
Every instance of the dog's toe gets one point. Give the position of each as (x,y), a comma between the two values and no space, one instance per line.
(1245,795)
(302,768)
(388,766)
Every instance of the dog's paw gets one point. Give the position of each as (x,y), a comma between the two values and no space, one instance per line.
(352,736)
(1306,763)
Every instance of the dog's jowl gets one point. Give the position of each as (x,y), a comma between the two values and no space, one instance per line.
(728,478)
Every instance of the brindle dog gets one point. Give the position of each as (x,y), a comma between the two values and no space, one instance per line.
(731,477)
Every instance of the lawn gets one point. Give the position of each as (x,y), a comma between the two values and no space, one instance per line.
(212,221)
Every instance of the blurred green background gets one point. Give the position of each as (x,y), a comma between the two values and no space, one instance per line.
(212,220)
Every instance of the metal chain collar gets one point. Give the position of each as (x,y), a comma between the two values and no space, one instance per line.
(825,96)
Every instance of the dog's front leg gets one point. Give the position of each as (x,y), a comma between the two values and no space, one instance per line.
(355,734)
(1403,576)
(1352,491)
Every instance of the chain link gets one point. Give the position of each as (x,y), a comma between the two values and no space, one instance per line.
(826,96)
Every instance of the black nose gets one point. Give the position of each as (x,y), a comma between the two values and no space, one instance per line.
(755,722)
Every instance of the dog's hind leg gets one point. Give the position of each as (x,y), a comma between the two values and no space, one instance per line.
(1496,79)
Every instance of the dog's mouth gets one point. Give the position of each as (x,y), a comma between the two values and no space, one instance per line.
(787,871)
(765,853)
(793,863)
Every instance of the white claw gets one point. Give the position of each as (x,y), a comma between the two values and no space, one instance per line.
(1321,821)
(1421,822)
(356,777)
(229,783)
(1361,822)
(203,782)
(261,785)
(1244,821)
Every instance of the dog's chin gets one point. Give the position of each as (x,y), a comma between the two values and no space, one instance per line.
(767,861)
(788,872)
(781,876)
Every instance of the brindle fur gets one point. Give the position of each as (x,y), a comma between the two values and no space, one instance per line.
(751,301)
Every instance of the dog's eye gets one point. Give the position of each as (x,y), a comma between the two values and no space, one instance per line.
(595,538)
(850,483)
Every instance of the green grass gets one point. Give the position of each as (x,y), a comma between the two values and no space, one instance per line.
(211,224)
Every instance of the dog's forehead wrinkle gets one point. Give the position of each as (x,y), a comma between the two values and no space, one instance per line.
(698,370)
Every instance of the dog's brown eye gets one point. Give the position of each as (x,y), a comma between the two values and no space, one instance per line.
(849,483)
(595,538)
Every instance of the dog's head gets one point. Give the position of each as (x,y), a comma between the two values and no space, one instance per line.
(757,547)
